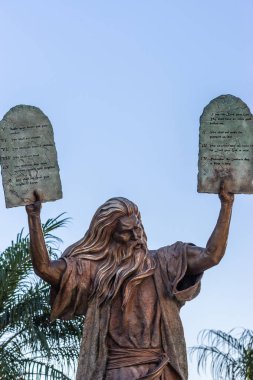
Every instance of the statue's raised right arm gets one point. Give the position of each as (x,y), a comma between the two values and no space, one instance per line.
(49,270)
(201,259)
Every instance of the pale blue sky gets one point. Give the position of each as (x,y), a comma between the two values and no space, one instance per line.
(124,84)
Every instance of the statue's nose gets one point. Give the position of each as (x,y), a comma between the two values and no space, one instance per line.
(136,234)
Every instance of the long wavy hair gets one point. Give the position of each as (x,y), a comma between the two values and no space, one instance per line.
(121,266)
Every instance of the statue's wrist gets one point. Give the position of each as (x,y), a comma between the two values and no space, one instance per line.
(228,203)
(34,214)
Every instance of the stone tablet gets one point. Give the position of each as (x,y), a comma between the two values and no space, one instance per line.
(28,157)
(226,146)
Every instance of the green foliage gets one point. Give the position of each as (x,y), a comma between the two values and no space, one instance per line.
(30,346)
(230,356)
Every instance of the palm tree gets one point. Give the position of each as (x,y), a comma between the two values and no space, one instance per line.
(230,355)
(30,346)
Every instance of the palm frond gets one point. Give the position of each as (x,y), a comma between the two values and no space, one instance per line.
(15,264)
(30,346)
(229,356)
(51,225)
(34,369)
(35,329)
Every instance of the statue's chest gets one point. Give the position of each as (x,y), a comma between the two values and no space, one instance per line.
(137,324)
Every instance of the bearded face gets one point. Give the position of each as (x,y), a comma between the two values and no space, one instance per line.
(117,242)
(127,263)
(129,232)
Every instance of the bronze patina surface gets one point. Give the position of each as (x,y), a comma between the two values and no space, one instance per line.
(131,296)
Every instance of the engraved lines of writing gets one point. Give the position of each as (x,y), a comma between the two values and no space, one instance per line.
(45,146)
(220,153)
(223,118)
(9,150)
(18,129)
(222,134)
(17,159)
(6,156)
(32,142)
(32,173)
(219,162)
(224,154)
(225,149)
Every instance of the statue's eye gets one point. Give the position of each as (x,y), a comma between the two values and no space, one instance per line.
(125,232)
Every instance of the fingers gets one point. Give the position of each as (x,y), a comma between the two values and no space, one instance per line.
(225,195)
(28,208)
(38,195)
(222,185)
(35,206)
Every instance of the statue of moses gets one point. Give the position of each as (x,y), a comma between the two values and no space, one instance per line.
(131,296)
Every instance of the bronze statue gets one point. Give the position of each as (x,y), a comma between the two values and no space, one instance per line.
(131,296)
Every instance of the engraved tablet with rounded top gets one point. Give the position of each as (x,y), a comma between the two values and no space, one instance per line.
(28,156)
(226,146)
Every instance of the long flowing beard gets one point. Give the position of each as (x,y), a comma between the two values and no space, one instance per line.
(124,267)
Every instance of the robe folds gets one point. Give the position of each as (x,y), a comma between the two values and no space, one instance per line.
(173,288)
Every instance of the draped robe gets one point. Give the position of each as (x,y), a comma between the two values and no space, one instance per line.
(173,288)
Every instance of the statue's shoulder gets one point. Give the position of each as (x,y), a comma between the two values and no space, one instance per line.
(169,260)
(169,253)
(171,249)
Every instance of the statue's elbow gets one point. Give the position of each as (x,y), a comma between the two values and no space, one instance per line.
(41,271)
(215,261)
(214,256)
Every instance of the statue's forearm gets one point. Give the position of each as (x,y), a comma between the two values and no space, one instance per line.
(48,270)
(38,250)
(217,242)
(201,259)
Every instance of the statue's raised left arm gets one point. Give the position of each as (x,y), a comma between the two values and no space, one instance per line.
(200,259)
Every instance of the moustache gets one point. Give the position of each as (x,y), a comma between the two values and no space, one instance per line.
(136,244)
(133,249)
